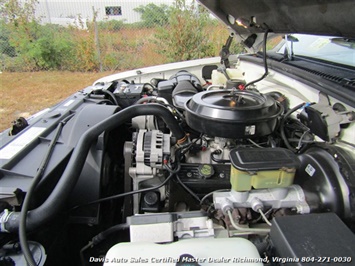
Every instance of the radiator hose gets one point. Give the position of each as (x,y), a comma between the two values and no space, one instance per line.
(9,221)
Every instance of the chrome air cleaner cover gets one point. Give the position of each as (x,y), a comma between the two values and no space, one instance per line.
(232,113)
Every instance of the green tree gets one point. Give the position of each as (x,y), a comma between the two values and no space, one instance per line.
(5,47)
(15,11)
(51,49)
(35,46)
(186,36)
(153,15)
(111,25)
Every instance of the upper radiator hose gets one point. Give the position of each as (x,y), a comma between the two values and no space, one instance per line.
(9,221)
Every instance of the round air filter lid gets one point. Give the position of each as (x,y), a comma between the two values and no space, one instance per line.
(232,110)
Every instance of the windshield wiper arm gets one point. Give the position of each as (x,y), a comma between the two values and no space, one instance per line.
(288,52)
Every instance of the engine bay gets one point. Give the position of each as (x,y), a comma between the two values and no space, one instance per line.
(215,170)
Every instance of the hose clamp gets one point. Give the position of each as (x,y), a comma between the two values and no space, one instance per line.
(4,217)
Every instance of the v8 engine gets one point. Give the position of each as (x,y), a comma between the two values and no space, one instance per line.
(220,168)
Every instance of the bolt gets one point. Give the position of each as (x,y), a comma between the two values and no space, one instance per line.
(222,175)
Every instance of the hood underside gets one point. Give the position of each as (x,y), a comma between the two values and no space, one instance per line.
(320,17)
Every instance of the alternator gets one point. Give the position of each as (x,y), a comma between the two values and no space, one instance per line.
(151,147)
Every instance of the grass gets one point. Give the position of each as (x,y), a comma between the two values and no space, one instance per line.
(23,94)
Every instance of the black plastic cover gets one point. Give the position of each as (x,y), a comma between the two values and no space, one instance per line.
(207,71)
(183,92)
(220,178)
(128,94)
(252,159)
(165,88)
(321,239)
(232,113)
(316,122)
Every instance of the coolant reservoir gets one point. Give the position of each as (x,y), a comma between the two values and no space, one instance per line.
(197,251)
(218,78)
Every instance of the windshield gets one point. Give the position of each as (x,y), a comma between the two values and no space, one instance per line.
(328,48)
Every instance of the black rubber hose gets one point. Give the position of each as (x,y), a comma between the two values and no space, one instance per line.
(37,178)
(57,199)
(111,95)
(217,160)
(282,126)
(101,237)
(149,98)
(125,194)
(266,72)
(187,188)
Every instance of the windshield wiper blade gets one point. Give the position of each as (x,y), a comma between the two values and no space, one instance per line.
(345,42)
